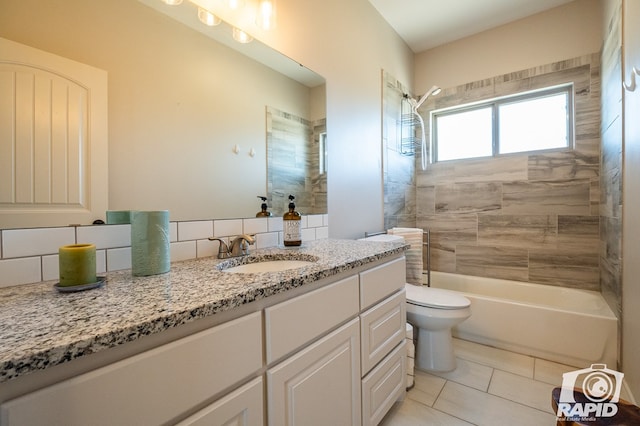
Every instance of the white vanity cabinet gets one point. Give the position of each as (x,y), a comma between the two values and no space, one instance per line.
(152,387)
(333,355)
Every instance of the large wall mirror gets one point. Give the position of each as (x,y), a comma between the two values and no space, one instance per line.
(189,108)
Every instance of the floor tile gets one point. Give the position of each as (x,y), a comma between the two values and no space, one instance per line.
(412,413)
(470,374)
(427,388)
(484,409)
(522,390)
(493,357)
(550,372)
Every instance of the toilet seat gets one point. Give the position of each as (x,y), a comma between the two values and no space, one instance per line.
(435,298)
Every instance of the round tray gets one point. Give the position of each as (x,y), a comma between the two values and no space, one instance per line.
(81,287)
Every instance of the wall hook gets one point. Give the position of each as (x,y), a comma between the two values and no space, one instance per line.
(236,149)
(632,86)
(252,152)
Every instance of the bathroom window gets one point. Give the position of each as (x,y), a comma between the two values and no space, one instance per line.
(532,121)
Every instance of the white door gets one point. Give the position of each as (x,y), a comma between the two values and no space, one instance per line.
(53,139)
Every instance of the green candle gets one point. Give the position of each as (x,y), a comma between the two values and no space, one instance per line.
(77,264)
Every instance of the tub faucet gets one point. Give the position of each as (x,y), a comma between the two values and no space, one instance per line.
(238,247)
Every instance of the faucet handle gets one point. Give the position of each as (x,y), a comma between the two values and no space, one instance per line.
(223,249)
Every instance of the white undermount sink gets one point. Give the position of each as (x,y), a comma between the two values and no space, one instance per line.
(268,266)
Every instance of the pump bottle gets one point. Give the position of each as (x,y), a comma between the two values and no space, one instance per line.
(263,212)
(292,225)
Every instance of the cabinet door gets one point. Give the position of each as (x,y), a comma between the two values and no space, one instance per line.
(149,388)
(243,407)
(320,385)
(381,329)
(384,385)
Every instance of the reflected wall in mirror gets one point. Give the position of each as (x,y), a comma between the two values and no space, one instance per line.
(179,101)
(296,163)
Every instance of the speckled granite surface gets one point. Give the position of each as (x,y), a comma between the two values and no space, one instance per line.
(40,327)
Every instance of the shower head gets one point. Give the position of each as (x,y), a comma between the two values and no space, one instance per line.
(433,91)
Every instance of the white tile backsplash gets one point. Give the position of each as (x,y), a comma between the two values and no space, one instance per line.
(195,230)
(183,250)
(105,236)
(20,271)
(35,242)
(255,225)
(31,255)
(227,227)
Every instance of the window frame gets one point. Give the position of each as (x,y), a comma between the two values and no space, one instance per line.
(494,104)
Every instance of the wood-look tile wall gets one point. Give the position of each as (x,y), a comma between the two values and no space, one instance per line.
(526,217)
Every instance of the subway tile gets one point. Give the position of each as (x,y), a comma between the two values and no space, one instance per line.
(309,234)
(557,197)
(51,268)
(227,227)
(325,220)
(206,248)
(275,224)
(195,230)
(266,240)
(183,250)
(521,231)
(498,262)
(173,232)
(20,271)
(255,225)
(36,241)
(118,259)
(314,221)
(105,236)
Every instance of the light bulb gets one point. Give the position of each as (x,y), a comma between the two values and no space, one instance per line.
(266,17)
(240,36)
(235,4)
(172,2)
(208,18)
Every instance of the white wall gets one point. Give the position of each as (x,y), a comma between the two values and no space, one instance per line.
(564,32)
(345,41)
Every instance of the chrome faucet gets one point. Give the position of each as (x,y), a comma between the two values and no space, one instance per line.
(238,247)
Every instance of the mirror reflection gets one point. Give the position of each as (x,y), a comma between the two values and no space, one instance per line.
(187,125)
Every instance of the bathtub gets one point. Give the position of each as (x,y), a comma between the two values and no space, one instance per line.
(565,325)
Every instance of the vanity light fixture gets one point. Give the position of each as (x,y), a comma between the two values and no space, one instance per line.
(241,37)
(208,18)
(172,2)
(266,16)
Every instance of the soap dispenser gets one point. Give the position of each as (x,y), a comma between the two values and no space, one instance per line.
(263,212)
(292,224)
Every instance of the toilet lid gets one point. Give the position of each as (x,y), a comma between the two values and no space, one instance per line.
(435,297)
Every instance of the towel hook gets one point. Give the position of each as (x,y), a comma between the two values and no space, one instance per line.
(631,87)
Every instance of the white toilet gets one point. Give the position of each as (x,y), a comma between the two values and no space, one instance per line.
(434,312)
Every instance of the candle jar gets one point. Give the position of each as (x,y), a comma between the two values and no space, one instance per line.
(150,254)
(77,264)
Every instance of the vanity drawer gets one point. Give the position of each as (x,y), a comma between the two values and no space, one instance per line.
(143,389)
(381,281)
(381,329)
(383,386)
(291,324)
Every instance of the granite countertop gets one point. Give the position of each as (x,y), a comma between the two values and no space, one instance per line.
(41,327)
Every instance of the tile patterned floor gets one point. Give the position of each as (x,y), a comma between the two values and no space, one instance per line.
(489,387)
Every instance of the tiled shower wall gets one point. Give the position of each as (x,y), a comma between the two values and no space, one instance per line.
(293,157)
(399,173)
(611,179)
(526,217)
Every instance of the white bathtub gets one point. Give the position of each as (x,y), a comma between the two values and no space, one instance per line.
(569,326)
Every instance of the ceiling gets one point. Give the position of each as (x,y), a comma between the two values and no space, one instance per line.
(424,24)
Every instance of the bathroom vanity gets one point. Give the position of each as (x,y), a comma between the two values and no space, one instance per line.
(322,344)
